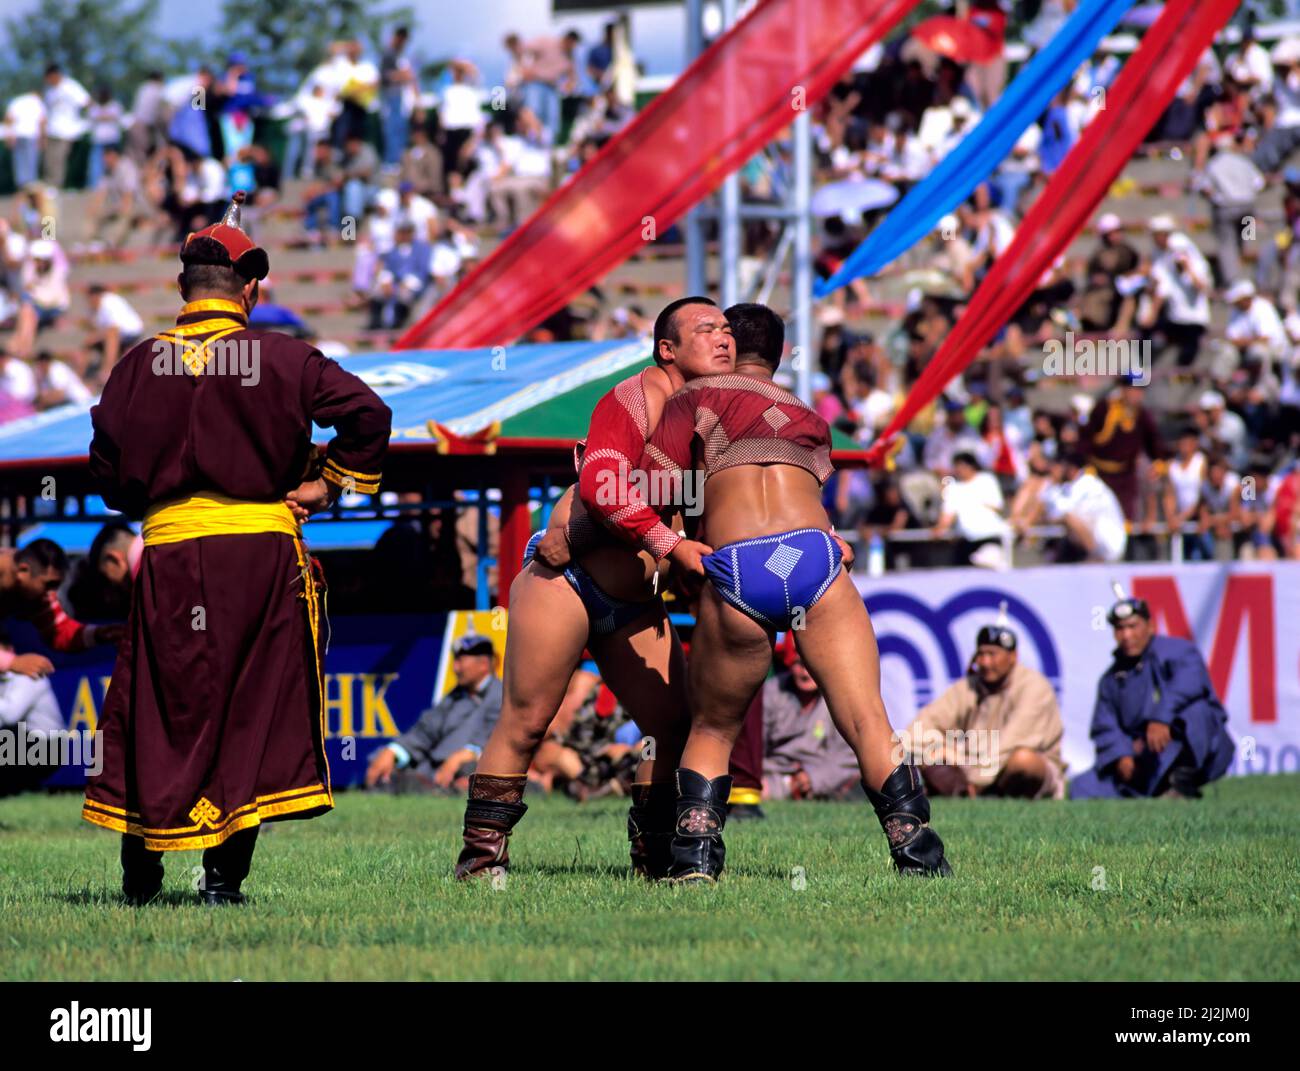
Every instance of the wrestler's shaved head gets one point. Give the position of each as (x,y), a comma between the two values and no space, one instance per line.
(759,334)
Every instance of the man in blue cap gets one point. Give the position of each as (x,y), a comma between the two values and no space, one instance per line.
(445,743)
(1158,725)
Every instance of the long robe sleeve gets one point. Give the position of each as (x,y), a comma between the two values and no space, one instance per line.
(354,459)
(1187,696)
(1109,737)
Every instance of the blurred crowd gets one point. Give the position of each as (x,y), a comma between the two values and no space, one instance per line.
(415,170)
(1191,427)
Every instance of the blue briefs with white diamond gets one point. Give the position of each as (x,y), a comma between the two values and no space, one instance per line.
(773,577)
(606,613)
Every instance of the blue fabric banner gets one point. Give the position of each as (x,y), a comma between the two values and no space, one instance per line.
(980,152)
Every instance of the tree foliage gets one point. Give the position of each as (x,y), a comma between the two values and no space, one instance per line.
(114,44)
(285,39)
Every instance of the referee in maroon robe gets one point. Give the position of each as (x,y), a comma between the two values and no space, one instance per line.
(214,719)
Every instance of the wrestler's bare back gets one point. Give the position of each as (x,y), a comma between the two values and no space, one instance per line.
(747,501)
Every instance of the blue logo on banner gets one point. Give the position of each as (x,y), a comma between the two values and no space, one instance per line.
(938,622)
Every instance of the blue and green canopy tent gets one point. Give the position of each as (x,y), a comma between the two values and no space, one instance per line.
(498,422)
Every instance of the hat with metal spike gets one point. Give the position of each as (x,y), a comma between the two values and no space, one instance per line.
(999,633)
(225,243)
(1127,606)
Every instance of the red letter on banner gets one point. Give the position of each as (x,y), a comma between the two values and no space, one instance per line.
(1161,594)
(1248,599)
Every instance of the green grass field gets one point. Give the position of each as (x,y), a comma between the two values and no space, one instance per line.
(1192,891)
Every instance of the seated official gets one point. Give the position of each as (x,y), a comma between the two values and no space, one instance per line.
(804,756)
(1158,725)
(1009,724)
(445,743)
(27,707)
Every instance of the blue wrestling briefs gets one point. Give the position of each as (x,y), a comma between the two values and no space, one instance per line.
(768,578)
(606,613)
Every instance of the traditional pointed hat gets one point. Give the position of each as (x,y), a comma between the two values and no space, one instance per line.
(225,243)
(999,633)
(1127,606)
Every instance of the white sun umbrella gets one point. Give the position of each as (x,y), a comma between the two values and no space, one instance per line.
(849,198)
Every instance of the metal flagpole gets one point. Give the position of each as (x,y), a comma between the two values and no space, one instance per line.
(729,236)
(696,279)
(801,298)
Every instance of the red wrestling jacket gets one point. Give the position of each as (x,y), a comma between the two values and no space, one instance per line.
(719,422)
(614,447)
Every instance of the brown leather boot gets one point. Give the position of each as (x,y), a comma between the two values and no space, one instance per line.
(491,811)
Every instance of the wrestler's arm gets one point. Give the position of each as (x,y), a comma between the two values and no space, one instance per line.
(620,425)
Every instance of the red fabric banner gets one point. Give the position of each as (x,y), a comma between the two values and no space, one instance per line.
(1135,101)
(782,57)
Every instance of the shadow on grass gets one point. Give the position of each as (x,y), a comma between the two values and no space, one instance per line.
(113,898)
(593,870)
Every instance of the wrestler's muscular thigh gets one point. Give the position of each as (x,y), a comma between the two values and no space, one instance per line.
(547,632)
(838,646)
(643,664)
(730,656)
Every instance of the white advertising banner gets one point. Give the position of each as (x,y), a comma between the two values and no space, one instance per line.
(1244,617)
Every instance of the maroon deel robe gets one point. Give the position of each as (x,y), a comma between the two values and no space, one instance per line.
(213,720)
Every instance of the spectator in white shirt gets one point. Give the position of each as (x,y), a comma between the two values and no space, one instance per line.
(1255,328)
(45,293)
(522,180)
(1180,305)
(460,114)
(116,328)
(1224,429)
(314,112)
(972,505)
(1250,64)
(907,161)
(105,115)
(25,125)
(57,383)
(17,380)
(419,211)
(1093,519)
(65,100)
(991,228)
(1186,472)
(147,123)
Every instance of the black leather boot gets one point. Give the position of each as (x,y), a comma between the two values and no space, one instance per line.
(226,866)
(142,871)
(697,850)
(494,805)
(904,812)
(650,823)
